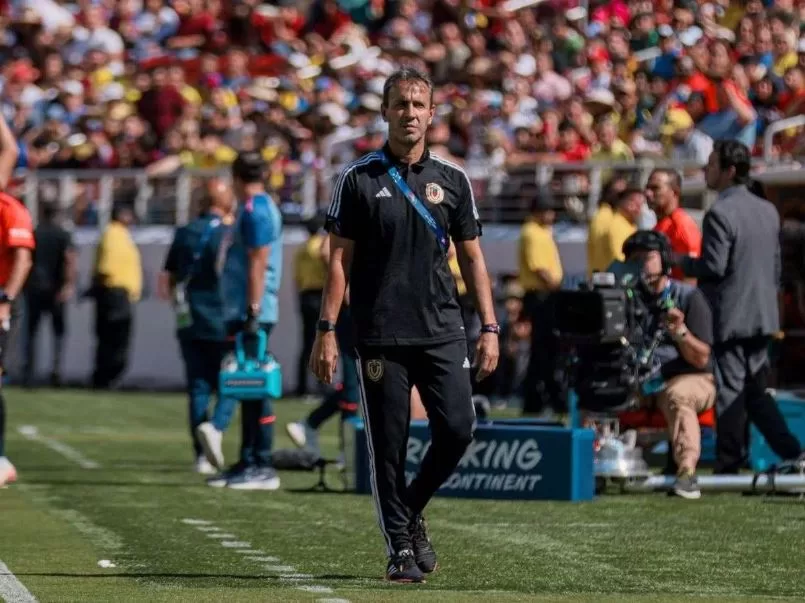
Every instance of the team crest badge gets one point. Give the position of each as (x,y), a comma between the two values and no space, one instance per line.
(374,369)
(434,193)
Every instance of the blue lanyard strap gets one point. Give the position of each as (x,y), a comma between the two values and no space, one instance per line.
(420,208)
(202,243)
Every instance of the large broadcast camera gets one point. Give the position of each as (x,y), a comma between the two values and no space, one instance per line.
(609,357)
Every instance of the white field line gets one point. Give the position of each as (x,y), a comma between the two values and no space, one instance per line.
(31,432)
(287,573)
(11,589)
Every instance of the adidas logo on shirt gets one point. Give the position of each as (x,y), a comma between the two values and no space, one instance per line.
(466,363)
(384,192)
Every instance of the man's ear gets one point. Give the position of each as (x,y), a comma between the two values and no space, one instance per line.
(383,112)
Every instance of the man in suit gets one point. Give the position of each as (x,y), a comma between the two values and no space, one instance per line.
(739,273)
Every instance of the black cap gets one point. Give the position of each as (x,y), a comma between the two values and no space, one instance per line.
(646,240)
(249,166)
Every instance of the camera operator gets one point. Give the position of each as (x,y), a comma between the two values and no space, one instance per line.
(683,354)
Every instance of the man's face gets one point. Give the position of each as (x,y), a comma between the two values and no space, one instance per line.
(651,274)
(633,206)
(607,133)
(713,174)
(409,112)
(659,194)
(126,217)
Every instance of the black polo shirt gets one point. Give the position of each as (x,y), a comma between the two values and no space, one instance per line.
(401,288)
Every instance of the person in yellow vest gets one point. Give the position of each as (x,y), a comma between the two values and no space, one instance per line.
(116,286)
(310,273)
(540,275)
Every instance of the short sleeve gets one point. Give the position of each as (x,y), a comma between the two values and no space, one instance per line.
(699,318)
(342,218)
(465,223)
(19,227)
(258,228)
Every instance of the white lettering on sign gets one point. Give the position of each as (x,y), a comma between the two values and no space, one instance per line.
(491,482)
(519,455)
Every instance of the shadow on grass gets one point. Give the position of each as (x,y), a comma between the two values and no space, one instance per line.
(262,577)
(108,483)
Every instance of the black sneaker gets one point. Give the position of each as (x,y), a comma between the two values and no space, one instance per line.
(687,486)
(423,549)
(403,569)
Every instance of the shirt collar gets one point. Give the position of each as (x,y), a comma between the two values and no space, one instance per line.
(395,161)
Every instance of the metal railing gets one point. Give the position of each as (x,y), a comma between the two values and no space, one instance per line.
(798,121)
(88,196)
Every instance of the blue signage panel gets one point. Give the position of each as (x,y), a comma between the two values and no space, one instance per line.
(792,407)
(517,459)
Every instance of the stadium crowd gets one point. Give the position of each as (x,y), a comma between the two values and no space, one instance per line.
(163,84)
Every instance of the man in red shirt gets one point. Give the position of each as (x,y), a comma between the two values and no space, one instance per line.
(16,247)
(662,193)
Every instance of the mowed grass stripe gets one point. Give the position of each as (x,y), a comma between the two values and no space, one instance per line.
(724,547)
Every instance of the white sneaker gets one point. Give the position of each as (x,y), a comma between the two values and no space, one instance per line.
(204,467)
(255,478)
(297,432)
(8,474)
(304,436)
(211,439)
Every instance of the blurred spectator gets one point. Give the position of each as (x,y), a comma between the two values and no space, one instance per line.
(541,275)
(662,193)
(117,286)
(625,216)
(50,285)
(187,83)
(310,274)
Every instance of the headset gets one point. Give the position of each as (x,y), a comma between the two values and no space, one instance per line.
(650,240)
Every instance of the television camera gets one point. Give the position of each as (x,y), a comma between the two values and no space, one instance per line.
(609,348)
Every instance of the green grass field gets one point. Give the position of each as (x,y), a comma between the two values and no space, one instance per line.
(122,489)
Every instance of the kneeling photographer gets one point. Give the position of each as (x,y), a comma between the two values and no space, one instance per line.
(682,359)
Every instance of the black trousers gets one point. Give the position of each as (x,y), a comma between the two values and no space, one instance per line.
(386,376)
(541,389)
(309,308)
(742,367)
(39,305)
(113,321)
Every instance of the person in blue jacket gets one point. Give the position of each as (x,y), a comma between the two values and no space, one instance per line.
(191,278)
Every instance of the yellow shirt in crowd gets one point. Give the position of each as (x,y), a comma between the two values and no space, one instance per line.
(538,251)
(597,231)
(118,261)
(310,272)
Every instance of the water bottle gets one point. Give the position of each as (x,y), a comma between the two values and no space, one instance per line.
(184,318)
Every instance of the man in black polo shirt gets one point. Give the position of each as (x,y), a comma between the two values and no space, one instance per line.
(391,218)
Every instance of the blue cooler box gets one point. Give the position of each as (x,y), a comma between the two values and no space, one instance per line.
(792,406)
(245,377)
(517,459)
